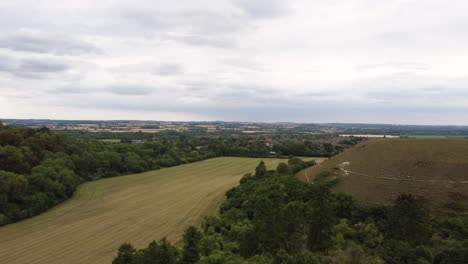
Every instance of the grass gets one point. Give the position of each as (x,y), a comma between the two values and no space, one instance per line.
(136,208)
(383,169)
(111,140)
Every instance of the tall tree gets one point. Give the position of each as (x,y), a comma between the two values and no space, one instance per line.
(125,255)
(261,169)
(191,253)
(409,220)
(321,219)
(166,253)
(282,168)
(150,255)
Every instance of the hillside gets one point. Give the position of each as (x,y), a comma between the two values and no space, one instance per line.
(378,170)
(137,208)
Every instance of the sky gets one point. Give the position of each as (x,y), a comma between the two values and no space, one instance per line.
(367,61)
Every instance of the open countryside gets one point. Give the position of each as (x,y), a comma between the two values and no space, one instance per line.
(137,208)
(234,132)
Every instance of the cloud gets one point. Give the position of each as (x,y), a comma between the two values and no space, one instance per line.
(396,65)
(7,64)
(256,60)
(183,23)
(203,40)
(115,89)
(130,90)
(31,68)
(73,90)
(36,41)
(169,69)
(39,66)
(264,8)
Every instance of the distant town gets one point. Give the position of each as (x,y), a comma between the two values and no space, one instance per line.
(248,128)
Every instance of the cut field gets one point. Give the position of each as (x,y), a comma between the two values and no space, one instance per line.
(136,208)
(379,170)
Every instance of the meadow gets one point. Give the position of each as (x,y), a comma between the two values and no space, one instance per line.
(138,208)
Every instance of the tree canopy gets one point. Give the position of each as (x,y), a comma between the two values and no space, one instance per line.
(272,217)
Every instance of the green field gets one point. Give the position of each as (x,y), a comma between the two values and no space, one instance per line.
(110,140)
(136,208)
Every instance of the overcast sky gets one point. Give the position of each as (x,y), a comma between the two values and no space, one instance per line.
(375,61)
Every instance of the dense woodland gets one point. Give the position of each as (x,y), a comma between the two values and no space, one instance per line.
(39,169)
(272,217)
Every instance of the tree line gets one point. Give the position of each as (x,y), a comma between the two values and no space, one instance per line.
(272,217)
(39,169)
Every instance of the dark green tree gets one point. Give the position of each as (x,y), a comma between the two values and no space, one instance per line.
(160,253)
(283,168)
(125,255)
(150,254)
(167,253)
(191,251)
(12,159)
(261,169)
(409,220)
(321,219)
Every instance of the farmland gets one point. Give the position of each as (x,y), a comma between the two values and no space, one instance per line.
(137,208)
(378,171)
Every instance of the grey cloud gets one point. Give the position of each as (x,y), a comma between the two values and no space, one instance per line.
(144,18)
(320,94)
(7,64)
(263,8)
(211,23)
(227,106)
(73,90)
(244,64)
(40,66)
(397,65)
(31,68)
(204,40)
(393,95)
(259,89)
(228,91)
(245,59)
(414,90)
(129,90)
(435,89)
(35,41)
(169,69)
(189,22)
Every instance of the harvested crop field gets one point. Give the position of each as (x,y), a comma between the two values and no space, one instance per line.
(136,208)
(379,170)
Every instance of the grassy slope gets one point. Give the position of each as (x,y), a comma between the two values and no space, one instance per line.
(136,208)
(417,166)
